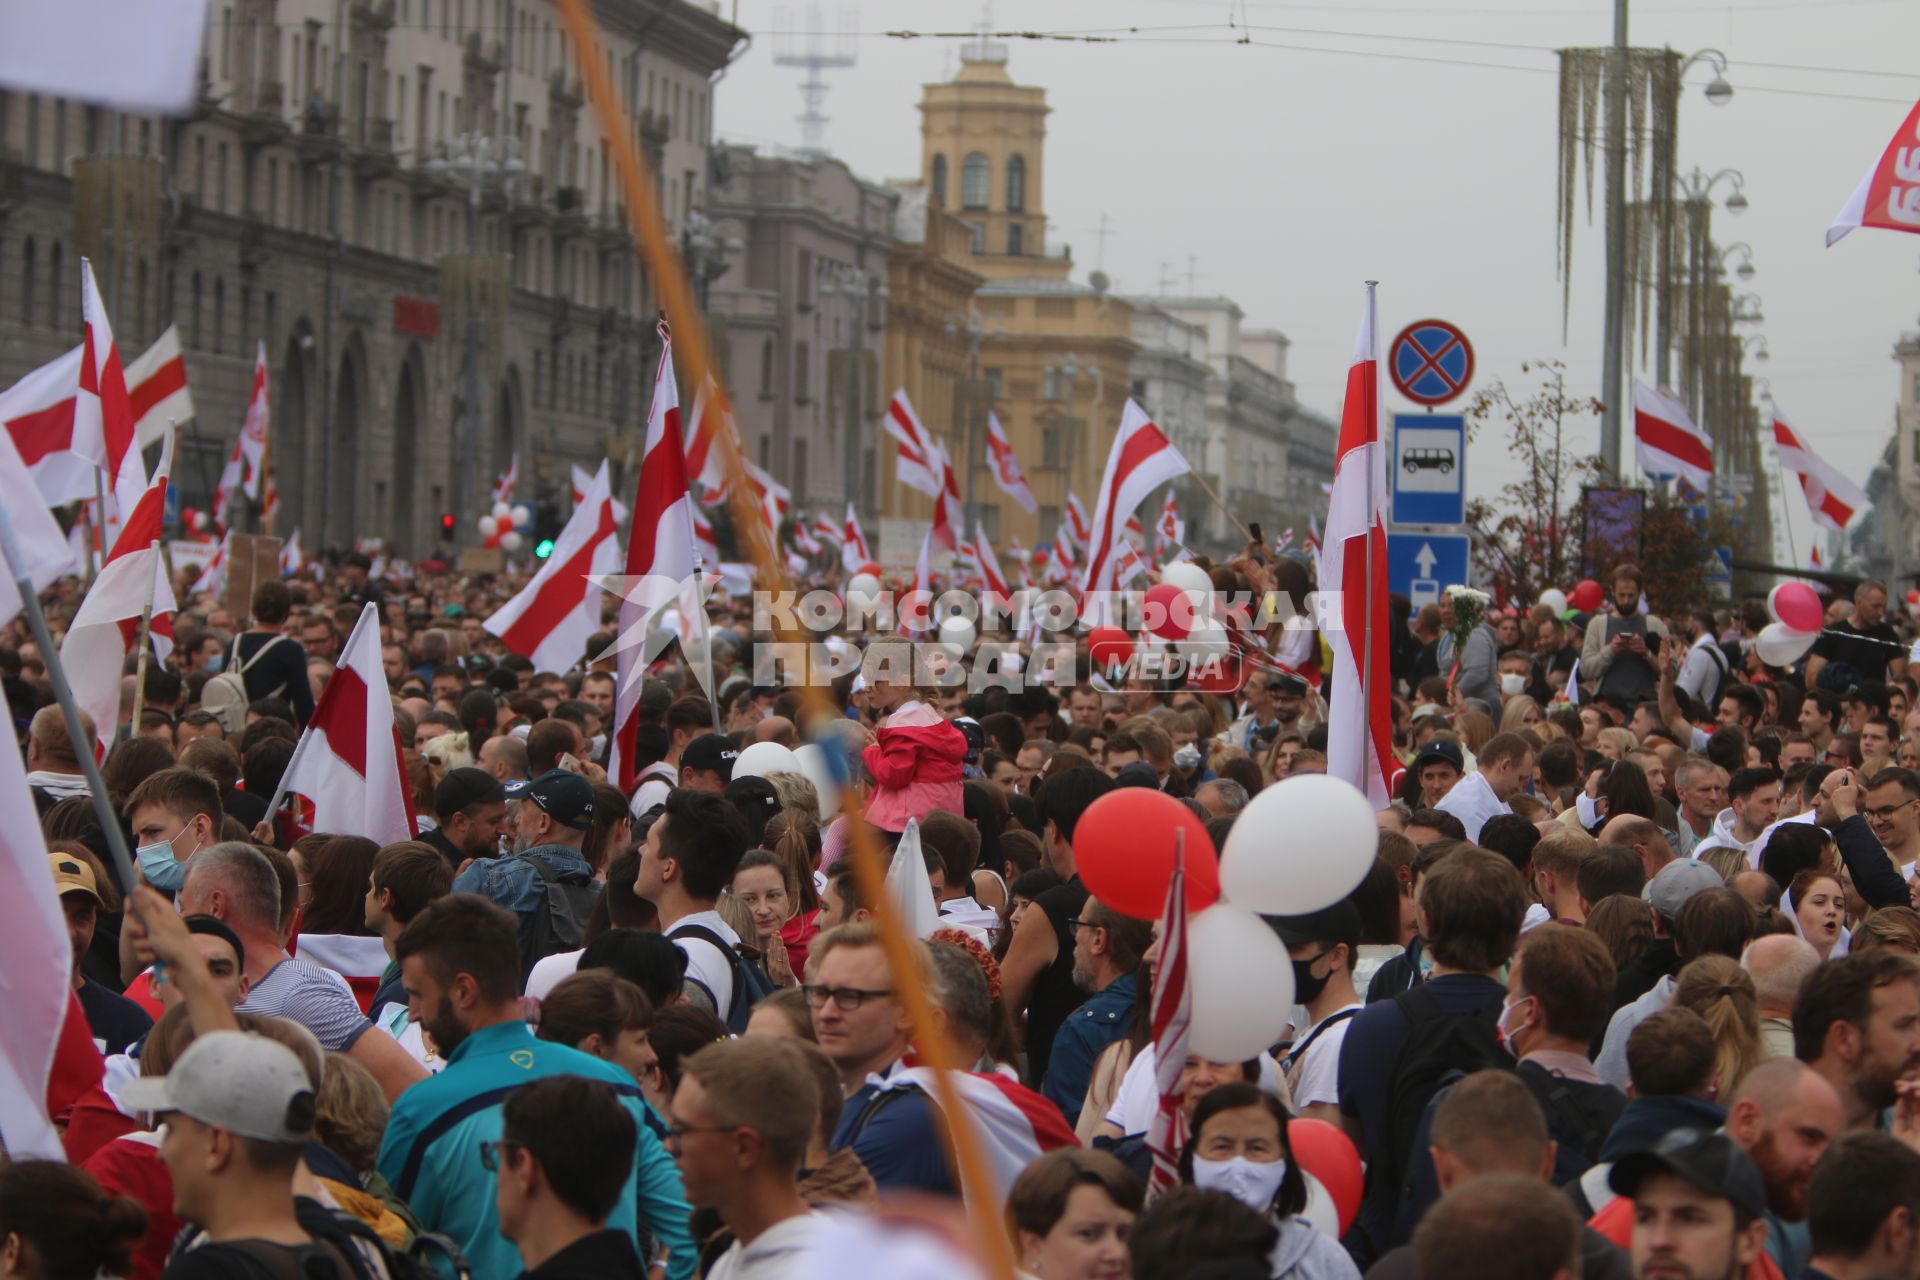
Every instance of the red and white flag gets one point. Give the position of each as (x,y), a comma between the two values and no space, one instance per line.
(826,532)
(704,542)
(253,432)
(1831,497)
(1665,441)
(1360,730)
(1171,1021)
(49,555)
(270,505)
(803,540)
(347,764)
(1079,528)
(1169,530)
(1005,466)
(38,413)
(555,615)
(157,388)
(775,500)
(918,464)
(107,627)
(1014,1125)
(660,551)
(1888,196)
(38,959)
(996,581)
(1142,459)
(503,486)
(1127,565)
(706,454)
(919,604)
(947,516)
(581,479)
(292,558)
(853,543)
(230,477)
(213,578)
(103,411)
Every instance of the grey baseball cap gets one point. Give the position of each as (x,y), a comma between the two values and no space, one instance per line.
(234,1080)
(1679,880)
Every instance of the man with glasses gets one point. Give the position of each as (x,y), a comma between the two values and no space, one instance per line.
(565,1151)
(1891,812)
(861,1025)
(742,1116)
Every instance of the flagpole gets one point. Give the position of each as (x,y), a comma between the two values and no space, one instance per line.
(1224,509)
(97,532)
(706,641)
(146,631)
(103,813)
(1373,530)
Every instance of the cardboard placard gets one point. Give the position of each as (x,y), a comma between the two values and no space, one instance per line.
(252,558)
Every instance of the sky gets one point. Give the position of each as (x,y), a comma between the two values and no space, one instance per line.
(1411,142)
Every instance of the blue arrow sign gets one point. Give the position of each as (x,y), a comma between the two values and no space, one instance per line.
(1422,565)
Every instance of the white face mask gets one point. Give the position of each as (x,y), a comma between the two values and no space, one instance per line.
(1512,684)
(1251,1183)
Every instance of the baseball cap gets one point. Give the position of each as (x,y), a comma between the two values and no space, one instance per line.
(1679,880)
(755,798)
(234,1080)
(1710,1161)
(566,797)
(1137,774)
(1443,750)
(73,875)
(465,786)
(1337,923)
(710,751)
(976,736)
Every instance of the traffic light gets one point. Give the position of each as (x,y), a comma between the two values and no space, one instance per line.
(446,523)
(543,548)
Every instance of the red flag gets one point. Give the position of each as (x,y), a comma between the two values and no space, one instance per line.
(706,464)
(348,763)
(1360,731)
(1665,440)
(253,433)
(103,412)
(1889,196)
(1006,466)
(555,615)
(504,486)
(1831,496)
(1172,1021)
(946,504)
(1079,528)
(1141,461)
(996,581)
(853,543)
(918,463)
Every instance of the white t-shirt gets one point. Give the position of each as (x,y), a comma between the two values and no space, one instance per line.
(550,971)
(1315,1076)
(783,1250)
(705,964)
(1139,1094)
(656,780)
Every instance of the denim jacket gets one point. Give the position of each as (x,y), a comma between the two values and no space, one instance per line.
(515,884)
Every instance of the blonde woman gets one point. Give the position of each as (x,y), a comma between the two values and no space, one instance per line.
(1722,993)
(1613,743)
(1520,712)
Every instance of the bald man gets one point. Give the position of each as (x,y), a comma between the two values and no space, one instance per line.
(1643,836)
(1778,963)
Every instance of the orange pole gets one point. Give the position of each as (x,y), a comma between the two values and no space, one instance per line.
(676,299)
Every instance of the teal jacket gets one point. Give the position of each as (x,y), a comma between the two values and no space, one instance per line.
(431,1154)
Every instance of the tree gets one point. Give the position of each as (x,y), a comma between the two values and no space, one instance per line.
(1529,539)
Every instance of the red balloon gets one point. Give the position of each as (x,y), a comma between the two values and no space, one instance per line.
(1587,596)
(1797,605)
(1169,611)
(1225,676)
(1322,1150)
(1123,849)
(1109,646)
(872,568)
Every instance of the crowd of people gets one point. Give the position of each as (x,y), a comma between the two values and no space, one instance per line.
(1632,987)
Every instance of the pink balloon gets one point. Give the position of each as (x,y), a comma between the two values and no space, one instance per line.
(1796,605)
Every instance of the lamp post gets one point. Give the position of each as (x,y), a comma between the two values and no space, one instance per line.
(473,161)
(1745,270)
(860,290)
(705,252)
(1694,191)
(977,397)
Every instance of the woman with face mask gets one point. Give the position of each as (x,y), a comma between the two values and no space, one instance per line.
(1239,1146)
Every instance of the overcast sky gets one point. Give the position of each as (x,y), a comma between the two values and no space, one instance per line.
(1291,172)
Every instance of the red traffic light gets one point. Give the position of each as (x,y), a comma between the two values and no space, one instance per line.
(446,522)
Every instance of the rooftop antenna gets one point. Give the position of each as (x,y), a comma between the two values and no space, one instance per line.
(1100,252)
(985,48)
(815,50)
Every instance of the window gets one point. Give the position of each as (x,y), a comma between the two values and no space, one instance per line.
(56,284)
(193,314)
(1049,521)
(1016,186)
(803,294)
(802,372)
(974,179)
(1015,241)
(800,470)
(1050,383)
(940,180)
(219,313)
(976,237)
(766,367)
(29,270)
(1050,441)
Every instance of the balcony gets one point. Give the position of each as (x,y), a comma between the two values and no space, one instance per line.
(269,98)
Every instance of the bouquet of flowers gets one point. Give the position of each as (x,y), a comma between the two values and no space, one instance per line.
(1469,607)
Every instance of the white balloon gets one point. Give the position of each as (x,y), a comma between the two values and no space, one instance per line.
(1208,639)
(522,514)
(1555,599)
(510,541)
(501,511)
(1321,1211)
(958,631)
(1188,576)
(1781,646)
(864,585)
(488,526)
(1302,845)
(763,758)
(1242,983)
(813,764)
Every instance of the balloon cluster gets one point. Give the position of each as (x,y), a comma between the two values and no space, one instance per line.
(502,526)
(1302,845)
(1797,618)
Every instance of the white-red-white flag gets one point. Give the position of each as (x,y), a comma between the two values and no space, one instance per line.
(920,598)
(1127,564)
(581,479)
(1079,528)
(253,432)
(1005,466)
(1831,496)
(38,413)
(103,411)
(107,627)
(704,543)
(996,581)
(49,555)
(1360,728)
(1169,530)
(347,763)
(1888,196)
(213,578)
(1012,1125)
(947,516)
(853,543)
(918,462)
(1171,1021)
(231,476)
(826,532)
(503,485)
(775,500)
(706,453)
(1142,459)
(555,615)
(292,558)
(270,505)
(659,562)
(1665,441)
(34,948)
(803,539)
(157,388)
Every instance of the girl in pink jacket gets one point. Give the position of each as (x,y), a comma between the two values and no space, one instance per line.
(917,758)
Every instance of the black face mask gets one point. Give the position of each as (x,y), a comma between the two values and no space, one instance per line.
(1306,987)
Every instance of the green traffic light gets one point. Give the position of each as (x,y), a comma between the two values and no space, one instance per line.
(544,548)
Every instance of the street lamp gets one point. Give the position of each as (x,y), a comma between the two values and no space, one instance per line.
(1717,90)
(979,395)
(859,290)
(1745,270)
(473,161)
(1698,186)
(1746,309)
(1756,344)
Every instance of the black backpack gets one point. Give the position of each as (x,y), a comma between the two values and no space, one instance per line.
(562,921)
(751,984)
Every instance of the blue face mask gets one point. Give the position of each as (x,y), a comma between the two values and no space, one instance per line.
(214,663)
(160,868)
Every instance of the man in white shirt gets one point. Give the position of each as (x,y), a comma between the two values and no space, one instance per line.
(738,1127)
(689,858)
(1753,802)
(695,754)
(1704,665)
(1505,766)
(1324,947)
